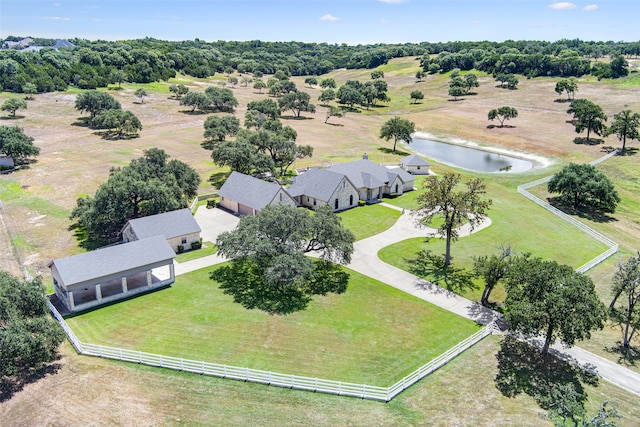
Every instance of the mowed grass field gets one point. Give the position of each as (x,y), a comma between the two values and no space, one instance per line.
(371,334)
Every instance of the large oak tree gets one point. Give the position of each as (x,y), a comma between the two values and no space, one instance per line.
(29,337)
(269,269)
(584,185)
(149,185)
(443,198)
(544,297)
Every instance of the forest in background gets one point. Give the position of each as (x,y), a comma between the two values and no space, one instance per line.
(94,64)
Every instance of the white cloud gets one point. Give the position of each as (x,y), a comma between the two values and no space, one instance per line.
(384,21)
(394,1)
(56,18)
(476,22)
(563,5)
(591,7)
(329,17)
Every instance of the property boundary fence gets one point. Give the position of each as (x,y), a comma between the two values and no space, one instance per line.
(318,385)
(613,246)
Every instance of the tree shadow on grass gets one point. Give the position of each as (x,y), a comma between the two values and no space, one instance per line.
(523,368)
(114,136)
(591,213)
(83,238)
(218,178)
(386,150)
(432,267)
(629,151)
(626,356)
(82,122)
(10,386)
(16,117)
(587,141)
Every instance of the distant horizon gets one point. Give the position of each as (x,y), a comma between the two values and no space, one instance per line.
(351,22)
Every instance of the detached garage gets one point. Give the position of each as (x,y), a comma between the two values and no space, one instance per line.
(245,195)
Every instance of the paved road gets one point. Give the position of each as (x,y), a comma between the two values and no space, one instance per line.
(365,260)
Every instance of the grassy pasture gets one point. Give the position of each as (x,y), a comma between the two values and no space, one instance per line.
(371,334)
(74,161)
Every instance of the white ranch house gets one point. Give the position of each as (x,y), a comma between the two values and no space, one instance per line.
(374,181)
(319,187)
(340,186)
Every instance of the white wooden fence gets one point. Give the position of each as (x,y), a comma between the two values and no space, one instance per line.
(613,246)
(363,391)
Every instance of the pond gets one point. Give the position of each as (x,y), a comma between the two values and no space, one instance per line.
(470,158)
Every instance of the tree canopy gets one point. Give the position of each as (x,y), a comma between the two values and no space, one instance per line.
(456,207)
(117,122)
(149,185)
(399,129)
(544,297)
(13,104)
(502,114)
(269,269)
(29,337)
(217,128)
(584,185)
(626,283)
(297,102)
(588,116)
(15,144)
(570,86)
(94,102)
(625,125)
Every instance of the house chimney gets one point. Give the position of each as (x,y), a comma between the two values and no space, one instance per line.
(365,156)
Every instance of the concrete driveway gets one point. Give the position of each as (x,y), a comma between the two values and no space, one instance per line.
(214,222)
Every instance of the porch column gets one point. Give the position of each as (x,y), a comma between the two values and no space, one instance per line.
(172,272)
(98,292)
(124,285)
(149,280)
(72,304)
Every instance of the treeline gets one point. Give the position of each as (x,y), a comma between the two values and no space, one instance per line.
(93,64)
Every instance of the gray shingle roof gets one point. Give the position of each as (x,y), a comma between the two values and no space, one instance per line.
(113,259)
(414,160)
(317,183)
(366,174)
(169,224)
(249,191)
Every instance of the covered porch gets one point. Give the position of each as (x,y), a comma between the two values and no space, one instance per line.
(107,275)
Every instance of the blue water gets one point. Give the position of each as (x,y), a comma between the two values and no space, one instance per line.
(470,158)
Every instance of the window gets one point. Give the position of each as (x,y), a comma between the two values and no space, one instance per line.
(344,184)
(351,200)
(336,204)
(314,202)
(418,167)
(396,188)
(280,196)
(184,240)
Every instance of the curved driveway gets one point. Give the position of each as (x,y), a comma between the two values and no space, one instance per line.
(365,260)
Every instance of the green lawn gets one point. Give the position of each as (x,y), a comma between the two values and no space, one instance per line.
(371,334)
(369,220)
(207,249)
(515,221)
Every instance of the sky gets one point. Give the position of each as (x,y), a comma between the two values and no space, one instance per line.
(323,21)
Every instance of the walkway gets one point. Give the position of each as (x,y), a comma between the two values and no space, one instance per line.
(365,260)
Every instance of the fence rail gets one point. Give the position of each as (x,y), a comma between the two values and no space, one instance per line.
(613,246)
(319,385)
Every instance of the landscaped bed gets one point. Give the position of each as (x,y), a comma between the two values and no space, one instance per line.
(371,334)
